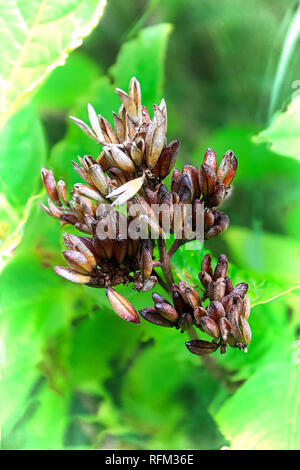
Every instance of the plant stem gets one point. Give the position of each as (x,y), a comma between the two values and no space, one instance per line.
(177,244)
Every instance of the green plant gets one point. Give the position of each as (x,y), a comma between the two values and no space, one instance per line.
(73,374)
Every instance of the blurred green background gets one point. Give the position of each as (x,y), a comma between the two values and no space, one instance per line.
(73,374)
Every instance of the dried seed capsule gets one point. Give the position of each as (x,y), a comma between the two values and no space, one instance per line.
(185,321)
(209,327)
(167,311)
(199,312)
(108,132)
(98,178)
(89,192)
(120,125)
(240,289)
(206,264)
(200,347)
(218,196)
(146,259)
(175,181)
(94,121)
(77,261)
(85,128)
(246,331)
(193,176)
(151,195)
(120,158)
(221,223)
(210,159)
(149,283)
(207,180)
(227,168)
(227,302)
(215,311)
(72,275)
(225,328)
(81,172)
(129,104)
(185,190)
(233,318)
(82,245)
(54,210)
(47,211)
(155,138)
(152,316)
(209,218)
(246,307)
(136,95)
(157,298)
(62,192)
(221,270)
(192,297)
(229,286)
(167,159)
(136,154)
(121,306)
(107,246)
(178,301)
(145,115)
(219,289)
(119,249)
(50,185)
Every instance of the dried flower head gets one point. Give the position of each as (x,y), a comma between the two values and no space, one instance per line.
(224,319)
(133,162)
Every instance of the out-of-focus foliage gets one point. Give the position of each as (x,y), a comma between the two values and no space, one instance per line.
(74,375)
(36,36)
(283,132)
(22,153)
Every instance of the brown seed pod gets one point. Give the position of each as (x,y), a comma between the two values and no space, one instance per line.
(210,159)
(210,327)
(227,168)
(151,315)
(167,311)
(200,347)
(121,306)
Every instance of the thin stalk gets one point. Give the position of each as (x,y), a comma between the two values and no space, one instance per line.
(177,244)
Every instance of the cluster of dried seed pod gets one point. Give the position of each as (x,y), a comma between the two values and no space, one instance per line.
(130,168)
(224,318)
(79,211)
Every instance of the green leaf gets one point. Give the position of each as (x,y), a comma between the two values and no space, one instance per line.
(265,412)
(22,154)
(143,58)
(35,305)
(37,37)
(283,133)
(65,84)
(267,254)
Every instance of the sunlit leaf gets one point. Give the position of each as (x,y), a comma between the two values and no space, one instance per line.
(22,153)
(37,36)
(283,134)
(265,413)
